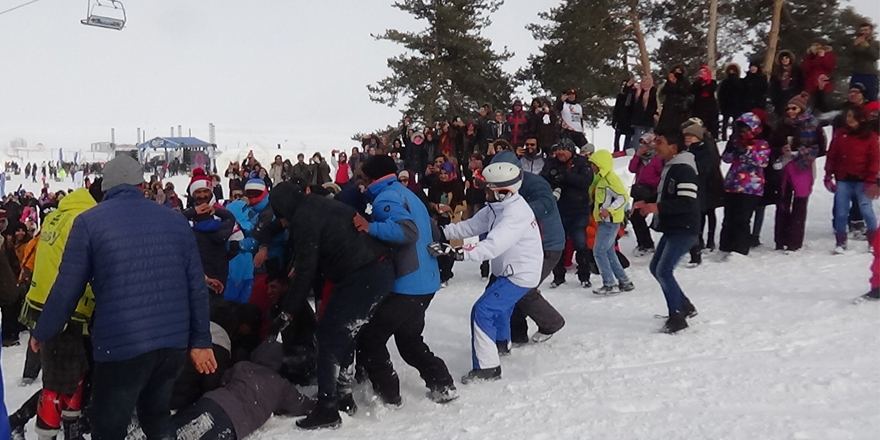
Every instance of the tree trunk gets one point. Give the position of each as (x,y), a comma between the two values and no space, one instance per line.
(640,37)
(773,37)
(712,37)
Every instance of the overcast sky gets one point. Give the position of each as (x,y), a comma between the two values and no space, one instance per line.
(269,71)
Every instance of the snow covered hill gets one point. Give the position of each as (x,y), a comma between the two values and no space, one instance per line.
(778,351)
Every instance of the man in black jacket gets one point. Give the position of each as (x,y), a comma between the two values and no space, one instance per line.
(677,216)
(570,176)
(326,243)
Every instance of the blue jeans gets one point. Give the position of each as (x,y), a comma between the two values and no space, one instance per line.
(667,255)
(843,197)
(606,257)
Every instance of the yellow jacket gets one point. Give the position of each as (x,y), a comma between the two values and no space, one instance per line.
(53,238)
(609,191)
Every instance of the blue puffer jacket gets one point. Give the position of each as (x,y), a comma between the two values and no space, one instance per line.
(401,219)
(144,268)
(538,193)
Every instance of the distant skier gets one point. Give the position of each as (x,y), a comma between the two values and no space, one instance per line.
(513,245)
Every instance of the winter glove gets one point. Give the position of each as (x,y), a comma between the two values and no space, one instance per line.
(278,325)
(830,185)
(444,249)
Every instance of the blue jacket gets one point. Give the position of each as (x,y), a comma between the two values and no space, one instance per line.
(538,193)
(401,219)
(144,268)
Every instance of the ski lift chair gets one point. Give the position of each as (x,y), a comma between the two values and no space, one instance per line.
(108,14)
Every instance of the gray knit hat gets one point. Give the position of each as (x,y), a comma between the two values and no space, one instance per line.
(122,170)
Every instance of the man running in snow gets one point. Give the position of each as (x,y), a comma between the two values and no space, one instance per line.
(401,219)
(677,216)
(513,246)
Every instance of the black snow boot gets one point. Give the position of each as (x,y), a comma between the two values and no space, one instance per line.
(73,428)
(325,415)
(503,347)
(444,394)
(675,324)
(481,375)
(689,310)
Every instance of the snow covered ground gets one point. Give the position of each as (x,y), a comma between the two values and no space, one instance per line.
(778,352)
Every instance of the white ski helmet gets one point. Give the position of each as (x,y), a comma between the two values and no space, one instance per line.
(503,177)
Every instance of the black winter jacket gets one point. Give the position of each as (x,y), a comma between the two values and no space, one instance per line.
(212,243)
(677,203)
(325,242)
(709,178)
(574,179)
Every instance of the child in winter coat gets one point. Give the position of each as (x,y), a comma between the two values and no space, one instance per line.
(609,209)
(744,184)
(513,246)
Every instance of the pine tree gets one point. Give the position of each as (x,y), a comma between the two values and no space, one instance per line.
(583,47)
(448,69)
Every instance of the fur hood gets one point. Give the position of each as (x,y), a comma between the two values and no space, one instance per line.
(784,53)
(732,66)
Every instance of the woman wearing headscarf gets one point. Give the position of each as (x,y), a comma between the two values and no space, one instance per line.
(446,195)
(705,105)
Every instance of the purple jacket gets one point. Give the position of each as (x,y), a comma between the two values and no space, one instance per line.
(647,174)
(746,173)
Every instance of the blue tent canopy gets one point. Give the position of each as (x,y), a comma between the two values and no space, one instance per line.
(173,143)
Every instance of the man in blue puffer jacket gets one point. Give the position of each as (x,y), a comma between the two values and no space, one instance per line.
(537,192)
(401,219)
(151,303)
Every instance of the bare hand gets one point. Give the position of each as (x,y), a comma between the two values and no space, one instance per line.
(261,257)
(203,360)
(361,224)
(204,209)
(642,150)
(871,190)
(214,285)
(35,345)
(603,213)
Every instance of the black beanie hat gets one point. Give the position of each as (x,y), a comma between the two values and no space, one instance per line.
(95,190)
(377,167)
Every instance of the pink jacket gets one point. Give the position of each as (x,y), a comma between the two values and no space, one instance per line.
(647,174)
(799,178)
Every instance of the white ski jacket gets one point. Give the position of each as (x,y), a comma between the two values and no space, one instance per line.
(513,243)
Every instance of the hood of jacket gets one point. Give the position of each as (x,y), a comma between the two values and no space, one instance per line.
(603,160)
(732,66)
(79,200)
(784,53)
(285,199)
(684,158)
(269,354)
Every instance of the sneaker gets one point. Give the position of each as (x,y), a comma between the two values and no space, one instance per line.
(484,278)
(443,395)
(11,342)
(26,382)
(348,405)
(586,284)
(626,286)
(689,310)
(606,290)
(873,295)
(444,284)
(482,375)
(696,260)
(839,249)
(642,251)
(539,337)
(556,283)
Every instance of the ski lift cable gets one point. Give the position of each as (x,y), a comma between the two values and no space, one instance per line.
(18,7)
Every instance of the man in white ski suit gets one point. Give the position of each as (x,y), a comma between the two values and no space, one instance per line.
(513,246)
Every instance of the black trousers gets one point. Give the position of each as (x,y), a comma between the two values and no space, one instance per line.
(351,305)
(643,232)
(791,221)
(32,364)
(403,317)
(575,226)
(735,230)
(535,306)
(10,327)
(144,383)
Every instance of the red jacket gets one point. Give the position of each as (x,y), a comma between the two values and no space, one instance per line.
(813,66)
(518,122)
(853,155)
